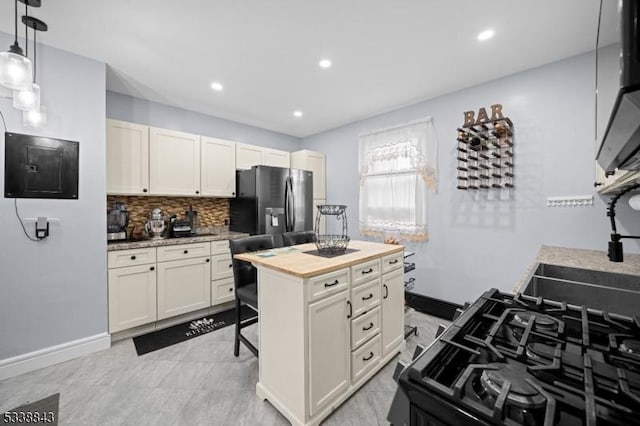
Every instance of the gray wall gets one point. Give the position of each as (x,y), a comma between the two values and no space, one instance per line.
(141,111)
(485,239)
(55,291)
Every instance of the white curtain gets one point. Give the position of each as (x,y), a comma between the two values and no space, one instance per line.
(397,166)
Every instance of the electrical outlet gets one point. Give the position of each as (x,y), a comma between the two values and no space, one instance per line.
(570,201)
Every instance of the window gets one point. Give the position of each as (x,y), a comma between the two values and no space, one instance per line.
(397,167)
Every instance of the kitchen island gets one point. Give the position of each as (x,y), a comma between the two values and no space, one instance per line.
(326,325)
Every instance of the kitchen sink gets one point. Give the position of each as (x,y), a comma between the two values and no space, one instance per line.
(608,291)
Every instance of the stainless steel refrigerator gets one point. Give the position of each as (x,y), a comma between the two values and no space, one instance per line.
(272,200)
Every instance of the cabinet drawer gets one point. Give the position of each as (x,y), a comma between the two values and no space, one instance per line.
(221,266)
(365,297)
(364,272)
(331,283)
(121,258)
(392,261)
(365,359)
(184,251)
(222,291)
(220,247)
(364,327)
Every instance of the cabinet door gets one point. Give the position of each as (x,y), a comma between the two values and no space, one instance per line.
(217,167)
(183,286)
(276,158)
(127,158)
(222,291)
(315,162)
(248,156)
(392,310)
(329,350)
(174,162)
(132,297)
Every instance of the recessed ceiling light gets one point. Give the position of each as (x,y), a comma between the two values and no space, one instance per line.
(486,35)
(297,114)
(216,86)
(325,63)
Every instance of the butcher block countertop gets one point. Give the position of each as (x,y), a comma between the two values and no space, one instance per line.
(295,261)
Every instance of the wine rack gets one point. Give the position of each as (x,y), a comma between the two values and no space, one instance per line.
(485,155)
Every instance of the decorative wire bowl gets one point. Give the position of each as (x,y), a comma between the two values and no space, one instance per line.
(331,209)
(332,244)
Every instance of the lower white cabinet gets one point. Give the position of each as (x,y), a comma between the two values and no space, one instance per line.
(132,297)
(222,291)
(183,286)
(329,350)
(392,310)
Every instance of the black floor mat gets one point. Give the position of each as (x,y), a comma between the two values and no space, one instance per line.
(42,412)
(179,333)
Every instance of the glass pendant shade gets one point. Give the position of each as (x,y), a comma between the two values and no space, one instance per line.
(15,71)
(27,99)
(35,118)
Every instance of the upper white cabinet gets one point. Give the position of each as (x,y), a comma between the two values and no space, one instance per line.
(248,156)
(127,158)
(315,162)
(276,158)
(174,162)
(615,182)
(217,167)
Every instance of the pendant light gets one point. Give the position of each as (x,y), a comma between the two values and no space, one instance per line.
(34,114)
(15,67)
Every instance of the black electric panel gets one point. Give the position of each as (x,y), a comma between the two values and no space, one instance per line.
(40,167)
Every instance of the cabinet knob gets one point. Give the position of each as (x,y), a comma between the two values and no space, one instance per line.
(233,193)
(153,268)
(145,190)
(208,260)
(197,192)
(186,251)
(231,265)
(133,257)
(230,290)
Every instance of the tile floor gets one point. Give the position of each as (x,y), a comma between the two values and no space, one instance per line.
(197,382)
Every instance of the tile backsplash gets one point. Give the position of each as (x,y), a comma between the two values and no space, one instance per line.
(212,212)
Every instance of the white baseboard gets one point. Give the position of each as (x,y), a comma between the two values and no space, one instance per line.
(52,355)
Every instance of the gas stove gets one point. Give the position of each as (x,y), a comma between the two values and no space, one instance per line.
(520,360)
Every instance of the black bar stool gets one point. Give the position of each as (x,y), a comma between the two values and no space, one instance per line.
(298,237)
(245,283)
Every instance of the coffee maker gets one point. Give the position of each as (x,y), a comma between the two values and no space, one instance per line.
(117,221)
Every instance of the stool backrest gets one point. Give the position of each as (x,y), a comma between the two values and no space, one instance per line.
(243,272)
(298,237)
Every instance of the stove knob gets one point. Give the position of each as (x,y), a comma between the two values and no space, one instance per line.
(399,367)
(418,351)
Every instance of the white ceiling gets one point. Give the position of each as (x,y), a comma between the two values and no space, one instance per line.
(385,53)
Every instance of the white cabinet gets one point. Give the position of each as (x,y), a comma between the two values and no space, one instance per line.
(132,297)
(392,310)
(174,162)
(615,182)
(217,167)
(276,158)
(183,286)
(315,162)
(248,156)
(329,350)
(127,158)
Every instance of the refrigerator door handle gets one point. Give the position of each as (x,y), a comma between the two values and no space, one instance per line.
(293,206)
(286,205)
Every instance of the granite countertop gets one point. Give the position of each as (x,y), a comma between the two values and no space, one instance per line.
(583,259)
(209,236)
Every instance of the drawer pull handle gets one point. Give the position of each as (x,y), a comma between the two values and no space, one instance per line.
(368,357)
(153,268)
(386,291)
(370,270)
(332,284)
(133,257)
(367,297)
(350,312)
(186,251)
(368,328)
(393,262)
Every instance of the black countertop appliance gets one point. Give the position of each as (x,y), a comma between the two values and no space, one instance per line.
(272,200)
(521,360)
